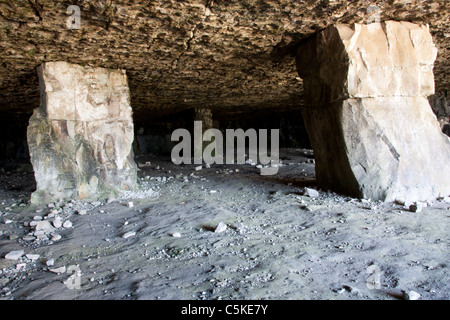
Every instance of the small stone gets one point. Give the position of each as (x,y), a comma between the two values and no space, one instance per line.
(198,168)
(29,238)
(130,204)
(50,262)
(14,255)
(221,227)
(58,270)
(129,234)
(411,295)
(176,235)
(32,257)
(43,226)
(57,223)
(311,193)
(67,224)
(82,212)
(37,218)
(56,237)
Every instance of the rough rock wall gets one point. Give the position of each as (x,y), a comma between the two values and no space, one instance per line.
(370,123)
(231,55)
(81,136)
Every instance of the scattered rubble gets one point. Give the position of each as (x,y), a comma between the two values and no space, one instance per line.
(269,233)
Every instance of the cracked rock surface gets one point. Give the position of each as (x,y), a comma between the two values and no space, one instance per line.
(232,56)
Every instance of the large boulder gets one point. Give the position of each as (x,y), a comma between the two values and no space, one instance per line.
(80,138)
(372,129)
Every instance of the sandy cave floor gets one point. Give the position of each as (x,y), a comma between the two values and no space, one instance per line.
(279,243)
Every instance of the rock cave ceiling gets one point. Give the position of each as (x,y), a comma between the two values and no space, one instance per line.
(235,57)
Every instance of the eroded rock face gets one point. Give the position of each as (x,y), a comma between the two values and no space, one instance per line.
(370,123)
(231,56)
(80,138)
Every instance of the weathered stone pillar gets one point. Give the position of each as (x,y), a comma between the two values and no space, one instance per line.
(80,138)
(370,124)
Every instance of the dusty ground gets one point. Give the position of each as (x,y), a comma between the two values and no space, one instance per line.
(279,244)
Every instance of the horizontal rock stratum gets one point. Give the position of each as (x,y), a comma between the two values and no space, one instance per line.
(232,56)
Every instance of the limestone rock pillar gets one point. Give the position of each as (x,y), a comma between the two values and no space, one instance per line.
(370,124)
(80,138)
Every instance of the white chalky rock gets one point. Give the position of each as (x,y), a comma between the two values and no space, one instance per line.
(43,226)
(311,193)
(221,227)
(67,224)
(366,88)
(57,223)
(14,255)
(32,257)
(129,234)
(58,270)
(411,295)
(81,212)
(176,235)
(56,237)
